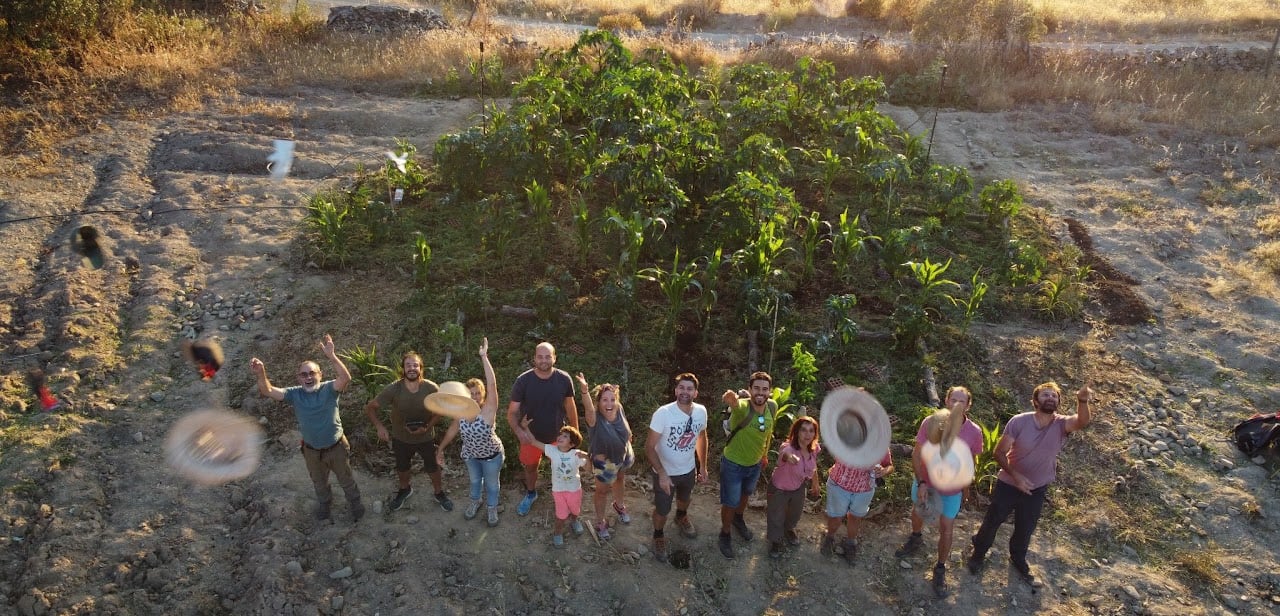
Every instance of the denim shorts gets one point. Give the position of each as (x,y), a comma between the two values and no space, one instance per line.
(841,501)
(950,503)
(736,482)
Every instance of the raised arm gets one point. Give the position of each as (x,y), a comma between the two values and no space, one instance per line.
(1084,415)
(265,388)
(342,376)
(588,405)
(490,408)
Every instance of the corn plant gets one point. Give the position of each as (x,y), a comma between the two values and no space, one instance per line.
(675,284)
(539,201)
(830,166)
(331,230)
(582,229)
(813,231)
(849,242)
(971,303)
(758,258)
(634,231)
(421,257)
(710,285)
(1062,295)
(928,275)
(985,468)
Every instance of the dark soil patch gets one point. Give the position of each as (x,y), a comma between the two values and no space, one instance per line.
(1120,303)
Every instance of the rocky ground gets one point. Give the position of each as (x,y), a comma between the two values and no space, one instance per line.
(198,241)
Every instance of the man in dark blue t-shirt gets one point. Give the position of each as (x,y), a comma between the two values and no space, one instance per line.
(545,394)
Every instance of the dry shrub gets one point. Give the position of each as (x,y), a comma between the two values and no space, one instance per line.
(1005,22)
(1117,118)
(1268,255)
(1269,225)
(620,22)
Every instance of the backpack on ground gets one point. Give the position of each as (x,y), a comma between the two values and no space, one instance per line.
(1255,433)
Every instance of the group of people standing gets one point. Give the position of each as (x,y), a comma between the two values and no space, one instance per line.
(543,415)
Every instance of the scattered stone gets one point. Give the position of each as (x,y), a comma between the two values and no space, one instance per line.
(294,568)
(384,19)
(138,437)
(904,564)
(337,602)
(1133,593)
(157,396)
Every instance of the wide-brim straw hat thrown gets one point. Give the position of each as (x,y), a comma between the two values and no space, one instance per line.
(453,399)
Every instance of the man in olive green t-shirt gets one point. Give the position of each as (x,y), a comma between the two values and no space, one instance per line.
(750,433)
(412,430)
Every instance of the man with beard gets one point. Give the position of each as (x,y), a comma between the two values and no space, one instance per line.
(324,446)
(745,451)
(412,429)
(677,450)
(1027,454)
(545,395)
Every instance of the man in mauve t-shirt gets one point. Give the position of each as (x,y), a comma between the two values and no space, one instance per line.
(1028,456)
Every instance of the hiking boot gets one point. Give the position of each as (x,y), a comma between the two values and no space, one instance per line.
(493,517)
(940,580)
(357,511)
(828,545)
(740,525)
(322,511)
(1024,573)
(850,551)
(472,509)
(622,513)
(660,549)
(602,530)
(976,564)
(401,496)
(443,500)
(686,527)
(557,540)
(776,550)
(577,528)
(792,538)
(526,503)
(726,545)
(912,544)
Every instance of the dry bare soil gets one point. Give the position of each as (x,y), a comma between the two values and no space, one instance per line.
(196,236)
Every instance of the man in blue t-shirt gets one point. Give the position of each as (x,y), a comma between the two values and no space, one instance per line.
(324,447)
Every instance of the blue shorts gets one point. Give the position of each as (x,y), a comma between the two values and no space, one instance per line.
(950,504)
(607,472)
(736,481)
(841,501)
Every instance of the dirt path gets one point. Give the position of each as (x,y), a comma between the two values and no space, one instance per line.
(198,238)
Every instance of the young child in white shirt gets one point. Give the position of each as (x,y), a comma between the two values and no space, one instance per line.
(567,462)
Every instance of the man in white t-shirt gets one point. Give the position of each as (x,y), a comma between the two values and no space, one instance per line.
(677,450)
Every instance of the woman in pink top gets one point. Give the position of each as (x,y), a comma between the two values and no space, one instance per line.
(797,466)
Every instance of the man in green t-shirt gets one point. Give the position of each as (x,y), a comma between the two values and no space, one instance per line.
(750,433)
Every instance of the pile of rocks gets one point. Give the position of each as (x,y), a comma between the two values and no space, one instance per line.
(382,19)
(205,311)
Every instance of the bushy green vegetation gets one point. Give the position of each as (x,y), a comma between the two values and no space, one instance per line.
(623,196)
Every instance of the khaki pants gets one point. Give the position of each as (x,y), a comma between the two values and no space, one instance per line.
(336,459)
